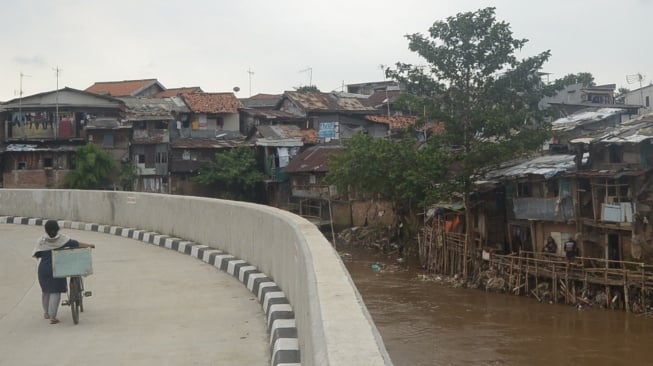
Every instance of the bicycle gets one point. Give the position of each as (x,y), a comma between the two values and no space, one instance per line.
(73,264)
(76,296)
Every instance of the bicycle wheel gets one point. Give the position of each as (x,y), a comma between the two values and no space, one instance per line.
(74,298)
(81,295)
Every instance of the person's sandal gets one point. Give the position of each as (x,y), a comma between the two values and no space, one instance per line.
(46,316)
(54,321)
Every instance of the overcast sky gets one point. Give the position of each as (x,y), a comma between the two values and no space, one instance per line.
(290,43)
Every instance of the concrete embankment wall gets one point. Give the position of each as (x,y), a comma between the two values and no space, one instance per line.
(334,327)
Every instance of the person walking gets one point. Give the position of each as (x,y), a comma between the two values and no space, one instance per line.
(51,288)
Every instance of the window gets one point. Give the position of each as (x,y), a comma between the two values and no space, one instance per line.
(22,165)
(648,101)
(141,159)
(524,190)
(161,157)
(107,141)
(615,154)
(48,163)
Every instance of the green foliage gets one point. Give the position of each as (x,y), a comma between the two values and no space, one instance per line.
(396,170)
(233,174)
(584,78)
(474,83)
(93,167)
(128,174)
(307,89)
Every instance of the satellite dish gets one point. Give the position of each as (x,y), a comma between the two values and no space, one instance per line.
(236,89)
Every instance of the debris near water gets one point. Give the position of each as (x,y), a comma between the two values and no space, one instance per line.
(378,237)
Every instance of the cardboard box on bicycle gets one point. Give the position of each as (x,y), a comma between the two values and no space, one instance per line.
(71,262)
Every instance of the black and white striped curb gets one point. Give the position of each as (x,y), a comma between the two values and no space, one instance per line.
(284,343)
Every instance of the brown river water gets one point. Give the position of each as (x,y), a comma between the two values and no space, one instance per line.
(429,323)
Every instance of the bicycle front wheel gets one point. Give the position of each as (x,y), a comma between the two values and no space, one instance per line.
(75,298)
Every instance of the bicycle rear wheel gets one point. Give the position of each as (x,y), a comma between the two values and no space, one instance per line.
(75,295)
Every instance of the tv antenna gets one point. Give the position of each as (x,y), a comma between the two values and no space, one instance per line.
(310,73)
(250,72)
(630,79)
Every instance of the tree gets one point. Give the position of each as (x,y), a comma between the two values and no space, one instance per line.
(92,168)
(307,89)
(233,174)
(395,170)
(486,97)
(584,78)
(128,174)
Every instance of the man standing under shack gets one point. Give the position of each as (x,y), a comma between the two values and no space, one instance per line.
(571,249)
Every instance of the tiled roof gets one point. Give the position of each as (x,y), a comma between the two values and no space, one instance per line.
(123,88)
(212,102)
(174,92)
(395,122)
(313,159)
(315,101)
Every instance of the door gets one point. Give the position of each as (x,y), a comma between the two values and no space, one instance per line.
(613,250)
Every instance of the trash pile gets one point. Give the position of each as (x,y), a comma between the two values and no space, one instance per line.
(378,237)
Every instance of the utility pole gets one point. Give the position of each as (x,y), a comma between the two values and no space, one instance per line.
(20,103)
(57,70)
(250,72)
(387,100)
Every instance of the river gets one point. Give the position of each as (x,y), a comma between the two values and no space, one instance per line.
(428,323)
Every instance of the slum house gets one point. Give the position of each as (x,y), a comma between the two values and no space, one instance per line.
(571,101)
(42,131)
(113,135)
(153,121)
(615,195)
(127,88)
(276,146)
(189,155)
(584,123)
(310,195)
(334,116)
(212,127)
(642,97)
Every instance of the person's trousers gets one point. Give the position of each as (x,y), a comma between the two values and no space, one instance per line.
(51,303)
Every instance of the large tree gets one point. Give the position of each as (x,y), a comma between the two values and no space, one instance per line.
(233,174)
(93,168)
(486,97)
(400,171)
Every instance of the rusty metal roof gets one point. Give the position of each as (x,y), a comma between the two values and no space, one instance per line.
(326,102)
(547,166)
(313,159)
(196,143)
(141,109)
(175,92)
(395,122)
(272,114)
(123,88)
(261,100)
(212,102)
(633,131)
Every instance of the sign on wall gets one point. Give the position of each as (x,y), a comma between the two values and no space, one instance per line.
(327,130)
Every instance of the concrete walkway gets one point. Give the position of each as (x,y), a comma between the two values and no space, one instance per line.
(150,306)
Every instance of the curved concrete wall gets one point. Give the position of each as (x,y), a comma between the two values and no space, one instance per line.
(333,324)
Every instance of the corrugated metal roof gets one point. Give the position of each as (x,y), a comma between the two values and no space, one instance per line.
(261,100)
(140,109)
(584,117)
(395,122)
(175,92)
(633,131)
(38,147)
(194,143)
(315,101)
(212,102)
(313,159)
(546,166)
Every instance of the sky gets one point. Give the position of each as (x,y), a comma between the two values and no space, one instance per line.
(264,46)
